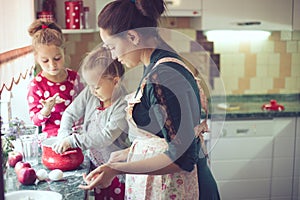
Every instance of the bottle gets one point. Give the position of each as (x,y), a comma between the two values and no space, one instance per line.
(86,16)
(81,18)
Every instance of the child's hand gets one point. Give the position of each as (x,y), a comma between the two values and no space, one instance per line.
(119,156)
(61,146)
(49,103)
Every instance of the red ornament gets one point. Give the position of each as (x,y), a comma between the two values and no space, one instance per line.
(273,106)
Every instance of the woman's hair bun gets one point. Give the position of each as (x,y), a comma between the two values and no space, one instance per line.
(150,8)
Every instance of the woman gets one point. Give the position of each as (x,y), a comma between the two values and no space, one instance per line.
(161,162)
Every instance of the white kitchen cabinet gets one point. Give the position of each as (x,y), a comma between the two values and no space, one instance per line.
(283,158)
(296,15)
(272,14)
(296,182)
(183,8)
(241,159)
(253,159)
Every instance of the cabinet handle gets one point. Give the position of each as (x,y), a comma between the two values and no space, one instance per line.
(249,23)
(242,131)
(224,133)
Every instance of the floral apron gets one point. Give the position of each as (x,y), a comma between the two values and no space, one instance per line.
(182,185)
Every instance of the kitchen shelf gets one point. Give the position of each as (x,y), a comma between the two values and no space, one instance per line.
(76,31)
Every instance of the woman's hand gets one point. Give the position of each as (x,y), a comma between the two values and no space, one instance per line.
(61,146)
(102,177)
(49,103)
(119,156)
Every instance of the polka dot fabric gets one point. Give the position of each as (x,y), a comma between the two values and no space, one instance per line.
(116,191)
(42,88)
(73,12)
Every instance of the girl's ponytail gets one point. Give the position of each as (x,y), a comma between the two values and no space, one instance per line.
(46,33)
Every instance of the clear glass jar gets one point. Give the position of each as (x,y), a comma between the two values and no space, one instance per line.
(86,16)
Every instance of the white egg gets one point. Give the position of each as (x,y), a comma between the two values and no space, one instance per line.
(56,175)
(42,174)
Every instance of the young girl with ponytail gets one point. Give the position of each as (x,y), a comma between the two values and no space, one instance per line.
(55,87)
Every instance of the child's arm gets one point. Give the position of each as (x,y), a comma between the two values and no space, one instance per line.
(73,113)
(34,96)
(119,156)
(104,174)
(115,125)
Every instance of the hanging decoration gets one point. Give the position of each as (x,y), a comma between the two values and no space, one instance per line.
(14,65)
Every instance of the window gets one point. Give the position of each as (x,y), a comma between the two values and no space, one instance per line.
(15,18)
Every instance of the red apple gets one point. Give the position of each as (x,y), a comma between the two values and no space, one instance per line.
(14,157)
(26,176)
(21,165)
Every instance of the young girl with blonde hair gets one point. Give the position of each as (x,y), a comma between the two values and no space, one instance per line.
(56,86)
(101,105)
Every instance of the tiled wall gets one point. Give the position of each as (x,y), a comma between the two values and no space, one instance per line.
(77,45)
(271,66)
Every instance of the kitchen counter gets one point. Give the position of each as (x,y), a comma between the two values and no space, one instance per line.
(68,187)
(250,106)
